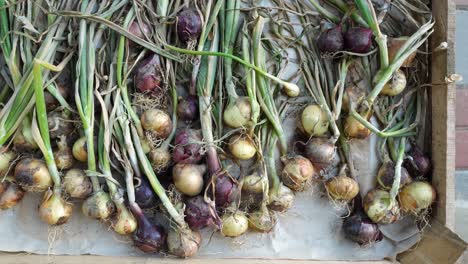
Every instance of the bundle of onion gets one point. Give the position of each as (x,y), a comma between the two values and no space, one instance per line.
(416,197)
(297,173)
(380,208)
(10,194)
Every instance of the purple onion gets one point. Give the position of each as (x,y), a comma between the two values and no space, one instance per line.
(361,230)
(200,214)
(185,150)
(187,109)
(358,39)
(139,30)
(148,237)
(189,25)
(147,76)
(417,164)
(226,191)
(331,40)
(144,194)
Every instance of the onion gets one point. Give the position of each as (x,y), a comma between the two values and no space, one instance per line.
(237,114)
(297,173)
(321,152)
(353,92)
(354,129)
(342,188)
(396,85)
(331,40)
(77,184)
(386,175)
(416,163)
(33,175)
(62,86)
(200,214)
(262,220)
(10,194)
(291,89)
(254,184)
(378,207)
(358,39)
(23,140)
(235,224)
(361,230)
(188,178)
(226,190)
(157,121)
(98,206)
(144,194)
(416,197)
(148,237)
(6,158)
(281,200)
(124,223)
(80,149)
(394,45)
(139,30)
(189,25)
(63,156)
(314,120)
(59,124)
(160,158)
(242,147)
(54,210)
(187,146)
(183,243)
(148,76)
(187,108)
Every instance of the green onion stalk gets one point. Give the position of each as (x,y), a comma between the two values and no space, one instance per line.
(7,44)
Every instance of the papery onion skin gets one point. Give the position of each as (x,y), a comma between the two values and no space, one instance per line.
(183,243)
(386,176)
(160,158)
(353,92)
(358,39)
(80,149)
(377,207)
(321,152)
(33,175)
(235,224)
(147,77)
(148,237)
(139,30)
(342,188)
(331,40)
(54,210)
(361,230)
(314,120)
(10,194)
(226,190)
(394,45)
(281,200)
(98,206)
(188,178)
(242,147)
(187,108)
(238,113)
(417,197)
(200,214)
(187,146)
(157,121)
(354,129)
(396,85)
(59,124)
(297,173)
(189,25)
(77,184)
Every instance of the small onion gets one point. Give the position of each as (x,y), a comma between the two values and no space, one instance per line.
(237,114)
(226,191)
(187,108)
(33,175)
(23,140)
(314,120)
(148,77)
(59,124)
(242,147)
(331,40)
(139,30)
(262,220)
(124,223)
(189,25)
(80,149)
(386,175)
(183,243)
(187,146)
(291,89)
(417,164)
(394,45)
(321,152)
(281,200)
(157,121)
(354,129)
(63,156)
(77,184)
(358,39)
(378,208)
(54,210)
(188,178)
(297,173)
(235,224)
(254,184)
(10,194)
(396,85)
(160,158)
(342,188)
(199,213)
(416,197)
(361,230)
(148,237)
(6,158)
(144,194)
(98,206)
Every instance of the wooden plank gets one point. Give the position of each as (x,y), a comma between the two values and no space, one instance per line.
(443,111)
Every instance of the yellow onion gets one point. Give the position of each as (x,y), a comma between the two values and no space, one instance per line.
(10,194)
(98,206)
(183,243)
(297,172)
(157,122)
(160,158)
(253,183)
(314,120)
(54,210)
(6,157)
(80,149)
(342,188)
(291,89)
(281,200)
(23,140)
(188,178)
(321,152)
(124,223)
(235,224)
(416,197)
(33,175)
(77,184)
(354,129)
(378,207)
(237,114)
(63,156)
(394,44)
(262,220)
(396,85)
(242,147)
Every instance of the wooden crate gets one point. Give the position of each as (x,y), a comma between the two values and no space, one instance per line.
(439,244)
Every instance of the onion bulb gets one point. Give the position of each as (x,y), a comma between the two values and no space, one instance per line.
(314,120)
(80,149)
(297,173)
(187,108)
(144,194)
(54,210)
(394,45)
(199,213)
(10,194)
(139,30)
(160,158)
(262,220)
(235,224)
(188,178)
(148,77)
(183,243)
(237,114)
(396,85)
(331,40)
(33,175)
(342,188)
(361,230)
(6,158)
(77,184)
(98,206)
(353,94)
(254,184)
(189,25)
(321,152)
(291,89)
(416,162)
(354,129)
(416,197)
(63,156)
(226,190)
(124,223)
(281,200)
(59,124)
(242,147)
(378,207)
(23,140)
(386,175)
(358,39)
(148,237)
(188,147)
(157,121)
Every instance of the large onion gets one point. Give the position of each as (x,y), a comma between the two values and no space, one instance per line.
(54,210)
(98,206)
(226,190)
(354,129)
(314,120)
(77,184)
(187,146)
(124,223)
(33,175)
(183,243)
(342,188)
(396,85)
(189,25)
(358,39)
(386,175)
(199,213)
(321,152)
(416,197)
(188,178)
(282,199)
(361,230)
(148,77)
(331,40)
(378,207)
(237,114)
(297,173)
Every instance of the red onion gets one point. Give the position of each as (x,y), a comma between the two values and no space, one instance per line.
(148,75)
(321,152)
(189,25)
(187,108)
(187,146)
(200,214)
(226,191)
(144,194)
(417,164)
(331,40)
(148,237)
(358,39)
(386,175)
(361,230)
(139,30)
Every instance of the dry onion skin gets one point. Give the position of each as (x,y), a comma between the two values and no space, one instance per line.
(77,184)
(378,207)
(342,188)
(417,197)
(54,210)
(394,44)
(10,194)
(297,173)
(183,243)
